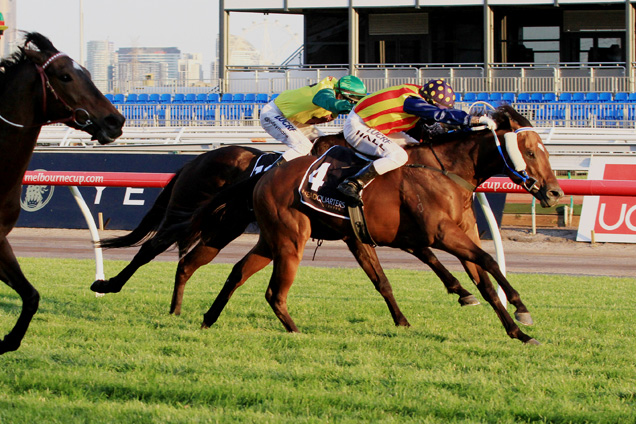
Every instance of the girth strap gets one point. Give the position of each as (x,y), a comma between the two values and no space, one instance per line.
(456,178)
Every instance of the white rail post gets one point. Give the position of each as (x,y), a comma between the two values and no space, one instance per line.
(99,260)
(496,237)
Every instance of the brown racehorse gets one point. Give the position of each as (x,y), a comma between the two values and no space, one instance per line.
(38,86)
(411,208)
(193,185)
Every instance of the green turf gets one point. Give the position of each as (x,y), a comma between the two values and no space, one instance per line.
(123,358)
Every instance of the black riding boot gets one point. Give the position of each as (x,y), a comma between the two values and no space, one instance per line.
(352,186)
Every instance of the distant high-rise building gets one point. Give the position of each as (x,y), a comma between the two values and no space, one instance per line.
(139,62)
(190,69)
(100,61)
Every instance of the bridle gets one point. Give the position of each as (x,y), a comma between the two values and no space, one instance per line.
(47,87)
(527,182)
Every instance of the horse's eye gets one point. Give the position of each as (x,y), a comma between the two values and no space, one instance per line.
(530,154)
(66,78)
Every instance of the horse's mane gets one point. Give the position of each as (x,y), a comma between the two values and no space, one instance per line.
(506,113)
(32,41)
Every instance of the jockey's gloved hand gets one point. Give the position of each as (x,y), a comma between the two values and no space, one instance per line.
(488,121)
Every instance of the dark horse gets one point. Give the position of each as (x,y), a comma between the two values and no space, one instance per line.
(411,208)
(39,86)
(191,187)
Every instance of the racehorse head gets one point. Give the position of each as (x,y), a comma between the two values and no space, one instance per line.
(537,177)
(69,95)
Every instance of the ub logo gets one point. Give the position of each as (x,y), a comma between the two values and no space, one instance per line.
(35,197)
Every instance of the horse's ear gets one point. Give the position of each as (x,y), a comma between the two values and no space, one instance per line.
(514,125)
(35,56)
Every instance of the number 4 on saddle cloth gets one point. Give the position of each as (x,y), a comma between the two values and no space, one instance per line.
(318,188)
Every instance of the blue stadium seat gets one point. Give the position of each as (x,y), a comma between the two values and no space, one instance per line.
(143,98)
(605,97)
(523,98)
(495,97)
(273,96)
(261,98)
(119,98)
(549,97)
(154,98)
(631,97)
(536,98)
(201,98)
(214,98)
(250,98)
(190,98)
(132,98)
(178,98)
(458,97)
(591,97)
(578,97)
(166,98)
(226,97)
(482,97)
(110,97)
(620,97)
(238,98)
(509,97)
(565,97)
(470,97)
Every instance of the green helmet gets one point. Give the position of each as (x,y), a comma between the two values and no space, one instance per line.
(351,88)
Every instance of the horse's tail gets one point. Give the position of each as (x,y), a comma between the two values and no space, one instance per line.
(236,197)
(149,223)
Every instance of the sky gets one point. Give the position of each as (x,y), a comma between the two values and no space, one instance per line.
(190,25)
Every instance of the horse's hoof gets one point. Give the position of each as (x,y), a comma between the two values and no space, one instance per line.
(533,342)
(103,286)
(204,326)
(524,318)
(469,300)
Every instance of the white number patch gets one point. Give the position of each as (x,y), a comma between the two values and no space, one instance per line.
(317,177)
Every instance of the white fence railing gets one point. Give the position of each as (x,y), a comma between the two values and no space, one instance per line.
(570,148)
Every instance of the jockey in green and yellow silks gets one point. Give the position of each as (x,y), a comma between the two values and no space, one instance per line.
(291,117)
(378,124)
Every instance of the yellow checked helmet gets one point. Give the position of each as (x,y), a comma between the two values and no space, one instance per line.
(438,93)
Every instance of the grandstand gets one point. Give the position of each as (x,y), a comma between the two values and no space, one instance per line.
(562,63)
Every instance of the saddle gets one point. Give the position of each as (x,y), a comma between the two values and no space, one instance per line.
(318,188)
(264,162)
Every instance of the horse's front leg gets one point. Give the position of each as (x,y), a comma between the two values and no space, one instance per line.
(12,275)
(257,258)
(456,242)
(451,283)
(368,260)
(477,274)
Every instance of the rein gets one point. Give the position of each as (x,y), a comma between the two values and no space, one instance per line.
(46,86)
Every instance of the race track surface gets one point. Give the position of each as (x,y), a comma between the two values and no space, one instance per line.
(551,251)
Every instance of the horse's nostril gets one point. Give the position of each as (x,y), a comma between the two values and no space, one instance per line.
(556,194)
(115,121)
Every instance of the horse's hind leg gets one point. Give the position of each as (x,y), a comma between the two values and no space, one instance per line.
(204,253)
(368,260)
(451,283)
(199,256)
(148,251)
(257,258)
(12,275)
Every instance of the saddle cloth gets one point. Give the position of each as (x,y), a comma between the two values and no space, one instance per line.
(318,186)
(264,162)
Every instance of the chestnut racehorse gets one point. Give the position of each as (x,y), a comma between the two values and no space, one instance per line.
(417,206)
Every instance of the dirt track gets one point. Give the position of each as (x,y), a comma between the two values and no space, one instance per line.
(551,251)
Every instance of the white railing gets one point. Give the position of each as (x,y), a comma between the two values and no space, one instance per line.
(570,148)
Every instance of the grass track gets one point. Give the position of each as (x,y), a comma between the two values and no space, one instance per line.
(122,358)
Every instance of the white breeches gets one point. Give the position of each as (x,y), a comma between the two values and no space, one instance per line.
(373,143)
(298,137)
